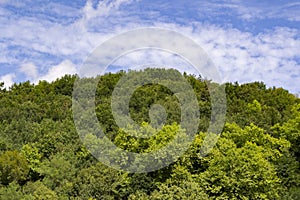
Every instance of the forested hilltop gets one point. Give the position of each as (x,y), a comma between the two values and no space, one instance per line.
(42,156)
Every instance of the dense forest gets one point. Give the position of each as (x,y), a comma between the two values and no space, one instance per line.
(42,157)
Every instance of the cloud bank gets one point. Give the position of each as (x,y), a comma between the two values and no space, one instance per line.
(45,45)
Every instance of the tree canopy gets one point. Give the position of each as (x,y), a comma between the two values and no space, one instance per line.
(42,156)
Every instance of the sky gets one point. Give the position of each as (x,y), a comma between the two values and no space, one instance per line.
(248,40)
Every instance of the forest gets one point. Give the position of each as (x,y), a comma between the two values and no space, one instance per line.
(42,156)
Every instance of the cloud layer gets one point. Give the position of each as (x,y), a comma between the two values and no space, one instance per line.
(47,44)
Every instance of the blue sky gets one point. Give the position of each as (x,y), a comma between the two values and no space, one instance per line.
(247,40)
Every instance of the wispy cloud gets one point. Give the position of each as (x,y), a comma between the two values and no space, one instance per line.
(251,10)
(8,79)
(45,45)
(103,8)
(65,67)
(30,70)
(54,72)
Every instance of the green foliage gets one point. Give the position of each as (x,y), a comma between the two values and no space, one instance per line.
(32,156)
(42,157)
(292,194)
(290,130)
(13,167)
(99,182)
(158,140)
(58,174)
(186,190)
(39,191)
(14,192)
(240,173)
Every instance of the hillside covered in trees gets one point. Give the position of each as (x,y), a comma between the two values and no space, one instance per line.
(42,156)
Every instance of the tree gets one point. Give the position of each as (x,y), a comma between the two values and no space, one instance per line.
(100,182)
(13,191)
(58,174)
(13,167)
(240,173)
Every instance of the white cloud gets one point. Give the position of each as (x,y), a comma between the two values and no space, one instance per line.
(251,10)
(144,58)
(30,70)
(8,79)
(270,56)
(3,1)
(104,8)
(57,71)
